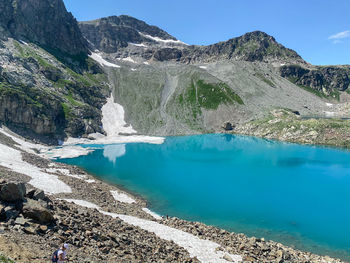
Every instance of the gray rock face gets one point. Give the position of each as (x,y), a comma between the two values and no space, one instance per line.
(34,210)
(254,46)
(112,33)
(45,22)
(328,78)
(12,192)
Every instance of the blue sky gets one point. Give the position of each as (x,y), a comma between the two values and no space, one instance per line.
(319,30)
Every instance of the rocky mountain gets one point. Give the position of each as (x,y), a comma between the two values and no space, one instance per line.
(40,96)
(43,22)
(112,33)
(325,81)
(51,89)
(253,46)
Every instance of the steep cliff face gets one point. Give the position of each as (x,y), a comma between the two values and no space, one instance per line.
(39,95)
(44,22)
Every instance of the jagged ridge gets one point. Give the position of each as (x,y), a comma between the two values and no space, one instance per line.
(114,32)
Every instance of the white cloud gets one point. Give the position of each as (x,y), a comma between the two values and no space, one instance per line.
(341,35)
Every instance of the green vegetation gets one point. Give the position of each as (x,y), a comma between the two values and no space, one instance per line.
(67,110)
(210,96)
(207,96)
(72,101)
(4,259)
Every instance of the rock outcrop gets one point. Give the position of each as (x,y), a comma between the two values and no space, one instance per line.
(325,79)
(44,22)
(112,33)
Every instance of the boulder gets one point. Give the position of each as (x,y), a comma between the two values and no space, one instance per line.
(21,221)
(39,195)
(34,210)
(10,213)
(228,126)
(12,192)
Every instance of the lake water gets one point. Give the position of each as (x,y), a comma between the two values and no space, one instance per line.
(294,194)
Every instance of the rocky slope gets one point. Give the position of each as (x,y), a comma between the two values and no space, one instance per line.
(157,74)
(49,88)
(45,99)
(45,22)
(285,125)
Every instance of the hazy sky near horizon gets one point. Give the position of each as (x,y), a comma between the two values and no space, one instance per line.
(319,30)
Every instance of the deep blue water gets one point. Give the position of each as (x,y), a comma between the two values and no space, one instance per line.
(298,195)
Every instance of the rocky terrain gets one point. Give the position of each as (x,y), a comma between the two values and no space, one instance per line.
(285,125)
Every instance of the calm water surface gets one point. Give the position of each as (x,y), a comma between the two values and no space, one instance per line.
(294,194)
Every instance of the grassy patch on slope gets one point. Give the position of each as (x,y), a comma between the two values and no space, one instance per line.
(201,95)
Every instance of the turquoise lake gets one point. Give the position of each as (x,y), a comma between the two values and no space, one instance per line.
(294,194)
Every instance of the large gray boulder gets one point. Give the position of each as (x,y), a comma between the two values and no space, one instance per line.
(34,210)
(12,192)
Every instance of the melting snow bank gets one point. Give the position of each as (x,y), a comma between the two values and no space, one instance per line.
(151,213)
(98,58)
(115,140)
(166,41)
(67,152)
(113,119)
(205,250)
(49,183)
(121,197)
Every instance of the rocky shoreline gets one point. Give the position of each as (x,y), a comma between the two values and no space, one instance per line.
(286,125)
(98,230)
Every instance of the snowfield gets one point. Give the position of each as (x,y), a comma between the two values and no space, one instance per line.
(98,58)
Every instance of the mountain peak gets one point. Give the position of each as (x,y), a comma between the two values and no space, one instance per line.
(109,34)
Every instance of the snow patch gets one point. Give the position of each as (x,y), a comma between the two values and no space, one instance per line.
(49,183)
(329,104)
(138,45)
(115,140)
(133,69)
(98,58)
(146,63)
(121,197)
(66,172)
(203,67)
(129,59)
(167,41)
(67,152)
(24,145)
(329,113)
(90,181)
(154,215)
(113,119)
(205,250)
(82,203)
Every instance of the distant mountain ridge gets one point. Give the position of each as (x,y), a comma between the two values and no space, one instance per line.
(114,32)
